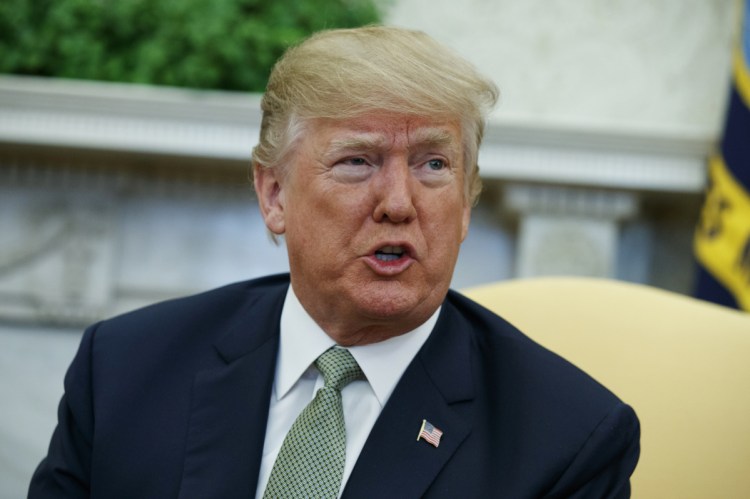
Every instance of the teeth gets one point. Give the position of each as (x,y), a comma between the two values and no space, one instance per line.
(387,257)
(389,253)
(391,249)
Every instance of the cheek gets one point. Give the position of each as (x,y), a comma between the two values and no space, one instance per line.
(449,216)
(445,234)
(340,210)
(321,227)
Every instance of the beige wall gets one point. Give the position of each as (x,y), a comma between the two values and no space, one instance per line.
(636,63)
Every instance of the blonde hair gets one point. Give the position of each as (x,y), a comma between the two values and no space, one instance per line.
(344,73)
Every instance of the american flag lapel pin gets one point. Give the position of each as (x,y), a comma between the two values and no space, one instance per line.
(429,433)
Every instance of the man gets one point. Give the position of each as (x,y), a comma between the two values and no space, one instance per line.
(367,165)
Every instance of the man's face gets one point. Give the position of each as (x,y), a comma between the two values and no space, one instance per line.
(373,211)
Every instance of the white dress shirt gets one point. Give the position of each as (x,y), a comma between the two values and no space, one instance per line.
(297,380)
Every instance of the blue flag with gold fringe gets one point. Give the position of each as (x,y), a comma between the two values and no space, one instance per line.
(722,239)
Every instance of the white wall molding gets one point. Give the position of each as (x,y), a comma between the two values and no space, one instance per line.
(188,123)
(568,231)
(133,118)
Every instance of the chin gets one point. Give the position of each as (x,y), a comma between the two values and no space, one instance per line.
(386,303)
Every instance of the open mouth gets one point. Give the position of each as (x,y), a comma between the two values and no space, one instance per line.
(389,253)
(391,259)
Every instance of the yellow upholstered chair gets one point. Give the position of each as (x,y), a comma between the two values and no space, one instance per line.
(683,364)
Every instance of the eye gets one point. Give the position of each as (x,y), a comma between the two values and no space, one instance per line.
(356,161)
(352,169)
(434,170)
(436,164)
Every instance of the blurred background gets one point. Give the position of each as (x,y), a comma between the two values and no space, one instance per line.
(126,129)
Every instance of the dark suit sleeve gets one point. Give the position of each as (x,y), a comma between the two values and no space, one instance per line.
(65,472)
(602,468)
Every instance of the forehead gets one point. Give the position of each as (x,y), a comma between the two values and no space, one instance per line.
(385,131)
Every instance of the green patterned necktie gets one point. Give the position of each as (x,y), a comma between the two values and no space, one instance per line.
(311,460)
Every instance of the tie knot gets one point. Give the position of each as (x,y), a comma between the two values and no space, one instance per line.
(338,367)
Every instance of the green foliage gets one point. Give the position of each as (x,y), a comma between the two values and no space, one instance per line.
(222,44)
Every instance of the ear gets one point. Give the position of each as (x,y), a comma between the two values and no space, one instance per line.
(465,219)
(270,194)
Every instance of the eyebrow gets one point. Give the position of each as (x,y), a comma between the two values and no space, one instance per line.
(433,137)
(367,142)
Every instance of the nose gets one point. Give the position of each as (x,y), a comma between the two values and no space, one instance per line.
(394,192)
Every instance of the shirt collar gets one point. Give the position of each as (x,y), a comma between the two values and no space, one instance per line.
(302,341)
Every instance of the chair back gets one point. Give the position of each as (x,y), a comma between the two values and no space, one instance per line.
(683,364)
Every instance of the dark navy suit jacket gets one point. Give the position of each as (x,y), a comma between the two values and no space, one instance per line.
(172,401)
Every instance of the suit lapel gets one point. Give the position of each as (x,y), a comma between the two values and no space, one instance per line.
(437,386)
(230,405)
